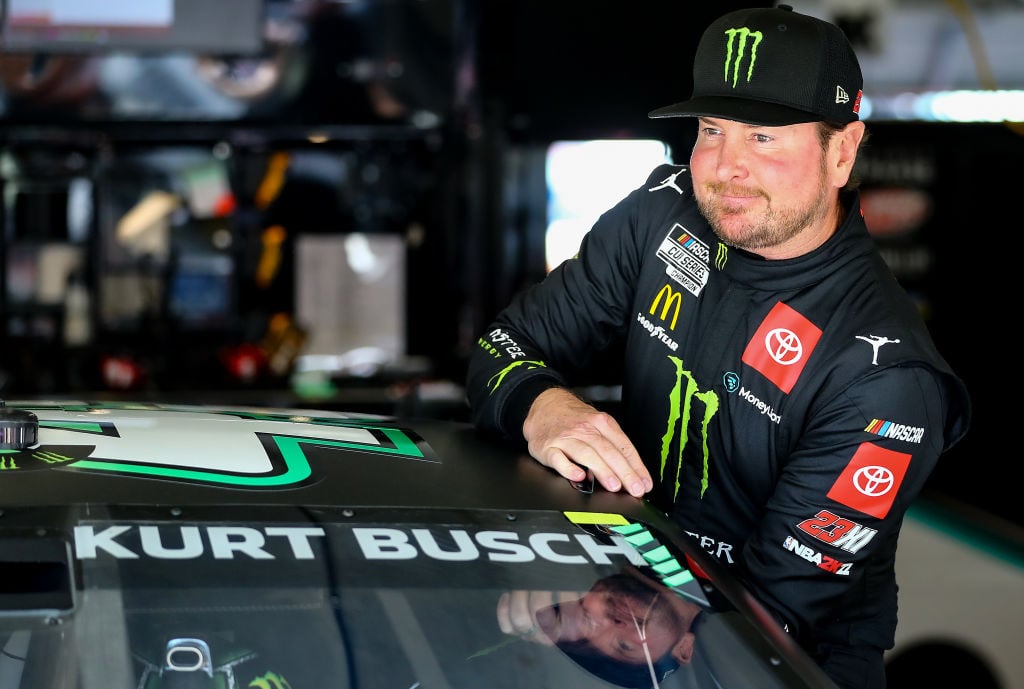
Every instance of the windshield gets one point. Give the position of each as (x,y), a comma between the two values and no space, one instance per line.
(403,599)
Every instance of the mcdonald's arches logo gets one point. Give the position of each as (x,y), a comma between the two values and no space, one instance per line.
(672,299)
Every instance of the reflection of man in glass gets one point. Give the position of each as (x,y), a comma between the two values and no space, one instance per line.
(625,629)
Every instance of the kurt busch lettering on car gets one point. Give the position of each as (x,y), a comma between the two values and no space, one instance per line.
(781,395)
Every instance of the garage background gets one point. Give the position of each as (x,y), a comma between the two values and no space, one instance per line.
(323,203)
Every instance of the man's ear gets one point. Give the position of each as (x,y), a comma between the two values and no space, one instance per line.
(843,146)
(683,650)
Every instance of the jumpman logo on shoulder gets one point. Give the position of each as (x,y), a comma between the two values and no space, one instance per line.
(876,342)
(669,182)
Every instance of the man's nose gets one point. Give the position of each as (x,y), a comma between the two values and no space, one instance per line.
(732,159)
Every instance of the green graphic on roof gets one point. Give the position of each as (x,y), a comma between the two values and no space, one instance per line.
(235,448)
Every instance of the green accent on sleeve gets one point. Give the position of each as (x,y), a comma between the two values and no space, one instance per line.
(495,381)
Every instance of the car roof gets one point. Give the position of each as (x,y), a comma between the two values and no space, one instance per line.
(182,513)
(252,455)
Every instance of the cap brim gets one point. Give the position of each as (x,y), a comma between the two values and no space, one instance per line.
(739,109)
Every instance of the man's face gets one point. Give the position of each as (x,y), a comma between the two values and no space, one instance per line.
(615,623)
(764,189)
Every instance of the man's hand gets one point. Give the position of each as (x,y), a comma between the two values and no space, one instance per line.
(517,612)
(566,434)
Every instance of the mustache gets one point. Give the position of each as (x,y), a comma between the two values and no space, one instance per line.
(725,189)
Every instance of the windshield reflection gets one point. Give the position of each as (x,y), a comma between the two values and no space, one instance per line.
(627,629)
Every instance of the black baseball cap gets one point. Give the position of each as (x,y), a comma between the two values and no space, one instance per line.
(772,66)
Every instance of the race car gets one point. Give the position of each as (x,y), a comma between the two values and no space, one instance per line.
(150,546)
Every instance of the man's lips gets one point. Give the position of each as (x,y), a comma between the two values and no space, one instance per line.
(738,202)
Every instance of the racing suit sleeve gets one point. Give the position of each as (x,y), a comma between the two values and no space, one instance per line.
(550,332)
(822,557)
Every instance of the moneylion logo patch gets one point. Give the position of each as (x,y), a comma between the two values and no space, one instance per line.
(742,43)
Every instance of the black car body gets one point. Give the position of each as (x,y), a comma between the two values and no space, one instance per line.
(152,546)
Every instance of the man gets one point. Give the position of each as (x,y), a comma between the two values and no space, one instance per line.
(781,396)
(627,629)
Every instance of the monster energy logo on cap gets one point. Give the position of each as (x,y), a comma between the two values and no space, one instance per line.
(772,67)
(738,39)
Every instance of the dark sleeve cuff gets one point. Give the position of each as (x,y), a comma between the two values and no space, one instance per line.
(518,404)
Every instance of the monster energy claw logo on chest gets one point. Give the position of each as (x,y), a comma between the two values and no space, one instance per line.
(680,409)
(736,49)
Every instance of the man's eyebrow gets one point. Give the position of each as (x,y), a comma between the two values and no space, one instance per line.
(715,121)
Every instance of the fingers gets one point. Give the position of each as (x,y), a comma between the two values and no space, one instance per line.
(517,612)
(522,606)
(557,459)
(600,456)
(505,623)
(567,434)
(617,462)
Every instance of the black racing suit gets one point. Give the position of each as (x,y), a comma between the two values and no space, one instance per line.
(789,410)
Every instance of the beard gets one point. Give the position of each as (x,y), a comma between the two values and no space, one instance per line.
(742,228)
